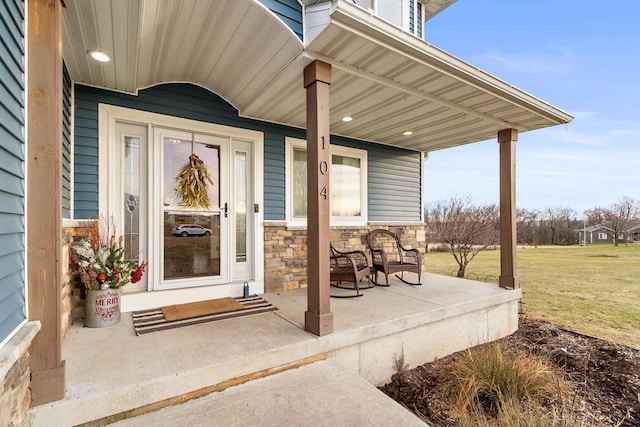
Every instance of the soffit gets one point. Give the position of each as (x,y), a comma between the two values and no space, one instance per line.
(231,47)
(433,7)
(391,82)
(388,80)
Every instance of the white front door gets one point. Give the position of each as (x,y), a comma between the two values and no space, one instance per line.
(209,251)
(194,236)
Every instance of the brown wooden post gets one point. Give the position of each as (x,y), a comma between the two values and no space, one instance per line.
(44,196)
(508,267)
(318,318)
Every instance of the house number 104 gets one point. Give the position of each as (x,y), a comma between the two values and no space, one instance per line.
(324,169)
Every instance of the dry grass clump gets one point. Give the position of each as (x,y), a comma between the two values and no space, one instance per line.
(491,386)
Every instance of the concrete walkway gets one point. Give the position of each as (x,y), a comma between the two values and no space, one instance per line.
(320,394)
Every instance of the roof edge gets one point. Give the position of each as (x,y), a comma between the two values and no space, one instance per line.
(351,16)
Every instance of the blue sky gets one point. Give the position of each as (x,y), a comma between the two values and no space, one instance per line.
(581,56)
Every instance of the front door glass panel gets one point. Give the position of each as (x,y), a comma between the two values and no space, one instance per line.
(130,205)
(191,245)
(132,197)
(192,239)
(240,188)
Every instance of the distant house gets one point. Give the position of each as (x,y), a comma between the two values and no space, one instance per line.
(633,233)
(601,233)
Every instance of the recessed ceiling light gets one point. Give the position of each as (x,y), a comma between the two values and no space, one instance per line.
(347,118)
(99,56)
(407,133)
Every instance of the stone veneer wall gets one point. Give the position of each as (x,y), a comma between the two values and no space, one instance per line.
(285,249)
(15,396)
(15,376)
(73,292)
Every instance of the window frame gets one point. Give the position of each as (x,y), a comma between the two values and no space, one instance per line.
(294,143)
(404,15)
(405,26)
(602,236)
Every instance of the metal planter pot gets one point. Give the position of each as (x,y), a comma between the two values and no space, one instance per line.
(102,308)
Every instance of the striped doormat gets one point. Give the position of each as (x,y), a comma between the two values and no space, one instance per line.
(153,320)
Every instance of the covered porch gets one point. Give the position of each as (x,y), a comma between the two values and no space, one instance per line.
(113,373)
(400,91)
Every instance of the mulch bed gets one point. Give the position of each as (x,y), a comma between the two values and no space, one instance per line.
(605,376)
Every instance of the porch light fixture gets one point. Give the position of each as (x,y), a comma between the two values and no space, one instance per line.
(407,133)
(99,56)
(347,118)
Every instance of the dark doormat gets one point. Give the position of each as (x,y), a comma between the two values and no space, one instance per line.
(153,320)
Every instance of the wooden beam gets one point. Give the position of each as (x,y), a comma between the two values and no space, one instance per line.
(44,196)
(508,239)
(318,318)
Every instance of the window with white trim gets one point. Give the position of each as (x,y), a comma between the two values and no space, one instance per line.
(397,12)
(602,236)
(347,184)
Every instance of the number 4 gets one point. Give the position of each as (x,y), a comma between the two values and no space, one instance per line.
(323,192)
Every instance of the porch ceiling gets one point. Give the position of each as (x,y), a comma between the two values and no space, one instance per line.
(231,47)
(387,80)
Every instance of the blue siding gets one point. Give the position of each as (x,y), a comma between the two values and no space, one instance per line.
(179,100)
(274,177)
(12,179)
(66,143)
(386,166)
(289,11)
(394,182)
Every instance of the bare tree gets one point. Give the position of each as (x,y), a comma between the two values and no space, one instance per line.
(615,218)
(560,221)
(528,227)
(463,228)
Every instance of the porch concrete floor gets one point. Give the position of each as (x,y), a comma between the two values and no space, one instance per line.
(111,370)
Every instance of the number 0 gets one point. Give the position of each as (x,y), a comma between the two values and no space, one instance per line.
(324,167)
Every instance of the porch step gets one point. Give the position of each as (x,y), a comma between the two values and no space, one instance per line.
(319,394)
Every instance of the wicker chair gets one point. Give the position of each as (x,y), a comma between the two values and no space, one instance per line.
(352,267)
(389,257)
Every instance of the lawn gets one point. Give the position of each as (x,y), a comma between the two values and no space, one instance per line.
(593,290)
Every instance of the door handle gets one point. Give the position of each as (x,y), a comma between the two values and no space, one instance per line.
(226,210)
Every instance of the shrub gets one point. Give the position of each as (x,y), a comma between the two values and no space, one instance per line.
(492,383)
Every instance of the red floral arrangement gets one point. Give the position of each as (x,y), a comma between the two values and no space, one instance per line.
(99,260)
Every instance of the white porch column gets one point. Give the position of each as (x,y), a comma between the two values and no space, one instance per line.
(318,318)
(508,239)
